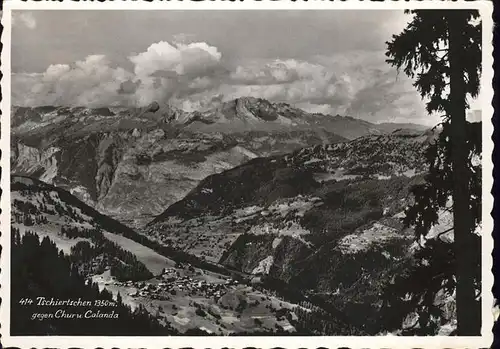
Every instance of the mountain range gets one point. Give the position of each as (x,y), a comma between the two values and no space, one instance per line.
(113,158)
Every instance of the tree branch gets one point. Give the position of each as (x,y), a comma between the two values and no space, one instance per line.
(443,57)
(443,232)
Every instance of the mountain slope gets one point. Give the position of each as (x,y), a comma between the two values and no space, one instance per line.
(263,180)
(325,220)
(188,295)
(314,195)
(49,211)
(113,158)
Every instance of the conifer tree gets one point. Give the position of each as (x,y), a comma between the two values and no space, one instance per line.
(441,49)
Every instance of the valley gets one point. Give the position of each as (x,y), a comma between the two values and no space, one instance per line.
(188,298)
(254,218)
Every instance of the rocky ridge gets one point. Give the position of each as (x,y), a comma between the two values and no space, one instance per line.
(112,158)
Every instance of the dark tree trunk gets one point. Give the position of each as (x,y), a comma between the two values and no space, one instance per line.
(468,310)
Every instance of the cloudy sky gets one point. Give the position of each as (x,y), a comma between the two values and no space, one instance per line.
(322,61)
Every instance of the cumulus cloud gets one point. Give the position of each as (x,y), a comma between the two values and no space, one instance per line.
(358,84)
(193,59)
(284,80)
(91,82)
(159,73)
(279,72)
(194,76)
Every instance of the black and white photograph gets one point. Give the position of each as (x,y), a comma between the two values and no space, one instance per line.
(248,173)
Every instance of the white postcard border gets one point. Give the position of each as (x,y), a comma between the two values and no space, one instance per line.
(485,340)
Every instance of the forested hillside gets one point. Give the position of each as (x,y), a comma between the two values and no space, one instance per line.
(39,269)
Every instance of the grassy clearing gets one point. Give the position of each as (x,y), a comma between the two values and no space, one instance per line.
(152,260)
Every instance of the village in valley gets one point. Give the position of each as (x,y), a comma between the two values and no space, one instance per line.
(171,282)
(188,298)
